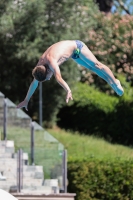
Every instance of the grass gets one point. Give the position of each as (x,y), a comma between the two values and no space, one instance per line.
(78,146)
(82,146)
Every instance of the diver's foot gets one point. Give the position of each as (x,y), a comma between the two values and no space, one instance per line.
(119,90)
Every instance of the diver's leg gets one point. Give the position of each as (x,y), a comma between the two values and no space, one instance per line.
(84,64)
(100,69)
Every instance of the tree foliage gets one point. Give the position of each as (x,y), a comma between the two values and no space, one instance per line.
(27,29)
(111,42)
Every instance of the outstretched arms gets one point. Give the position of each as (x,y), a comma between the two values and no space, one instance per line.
(30,92)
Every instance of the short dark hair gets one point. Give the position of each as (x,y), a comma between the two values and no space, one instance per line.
(40,72)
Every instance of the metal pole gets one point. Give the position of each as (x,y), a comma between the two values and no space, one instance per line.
(40,103)
(32,142)
(19,170)
(64,156)
(5,120)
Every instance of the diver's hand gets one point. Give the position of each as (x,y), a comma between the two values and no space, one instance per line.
(23,104)
(69,96)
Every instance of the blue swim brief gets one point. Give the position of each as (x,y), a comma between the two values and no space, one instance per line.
(78,50)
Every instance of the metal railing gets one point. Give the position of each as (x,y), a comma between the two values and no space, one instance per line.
(19,170)
(48,152)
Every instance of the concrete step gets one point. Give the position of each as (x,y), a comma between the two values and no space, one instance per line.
(12,174)
(2,143)
(10,150)
(26,182)
(25,157)
(8,170)
(8,160)
(13,177)
(7,146)
(37,190)
(32,185)
(6,183)
(36,182)
(8,166)
(25,178)
(8,163)
(33,168)
(51,182)
(5,155)
(2,149)
(7,143)
(35,175)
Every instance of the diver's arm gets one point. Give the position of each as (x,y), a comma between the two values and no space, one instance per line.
(30,92)
(59,79)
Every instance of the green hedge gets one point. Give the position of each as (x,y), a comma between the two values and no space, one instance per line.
(101,180)
(94,112)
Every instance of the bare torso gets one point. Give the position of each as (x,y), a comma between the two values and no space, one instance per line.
(60,52)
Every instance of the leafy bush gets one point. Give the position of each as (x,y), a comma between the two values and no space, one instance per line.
(93,112)
(106,180)
(88,111)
